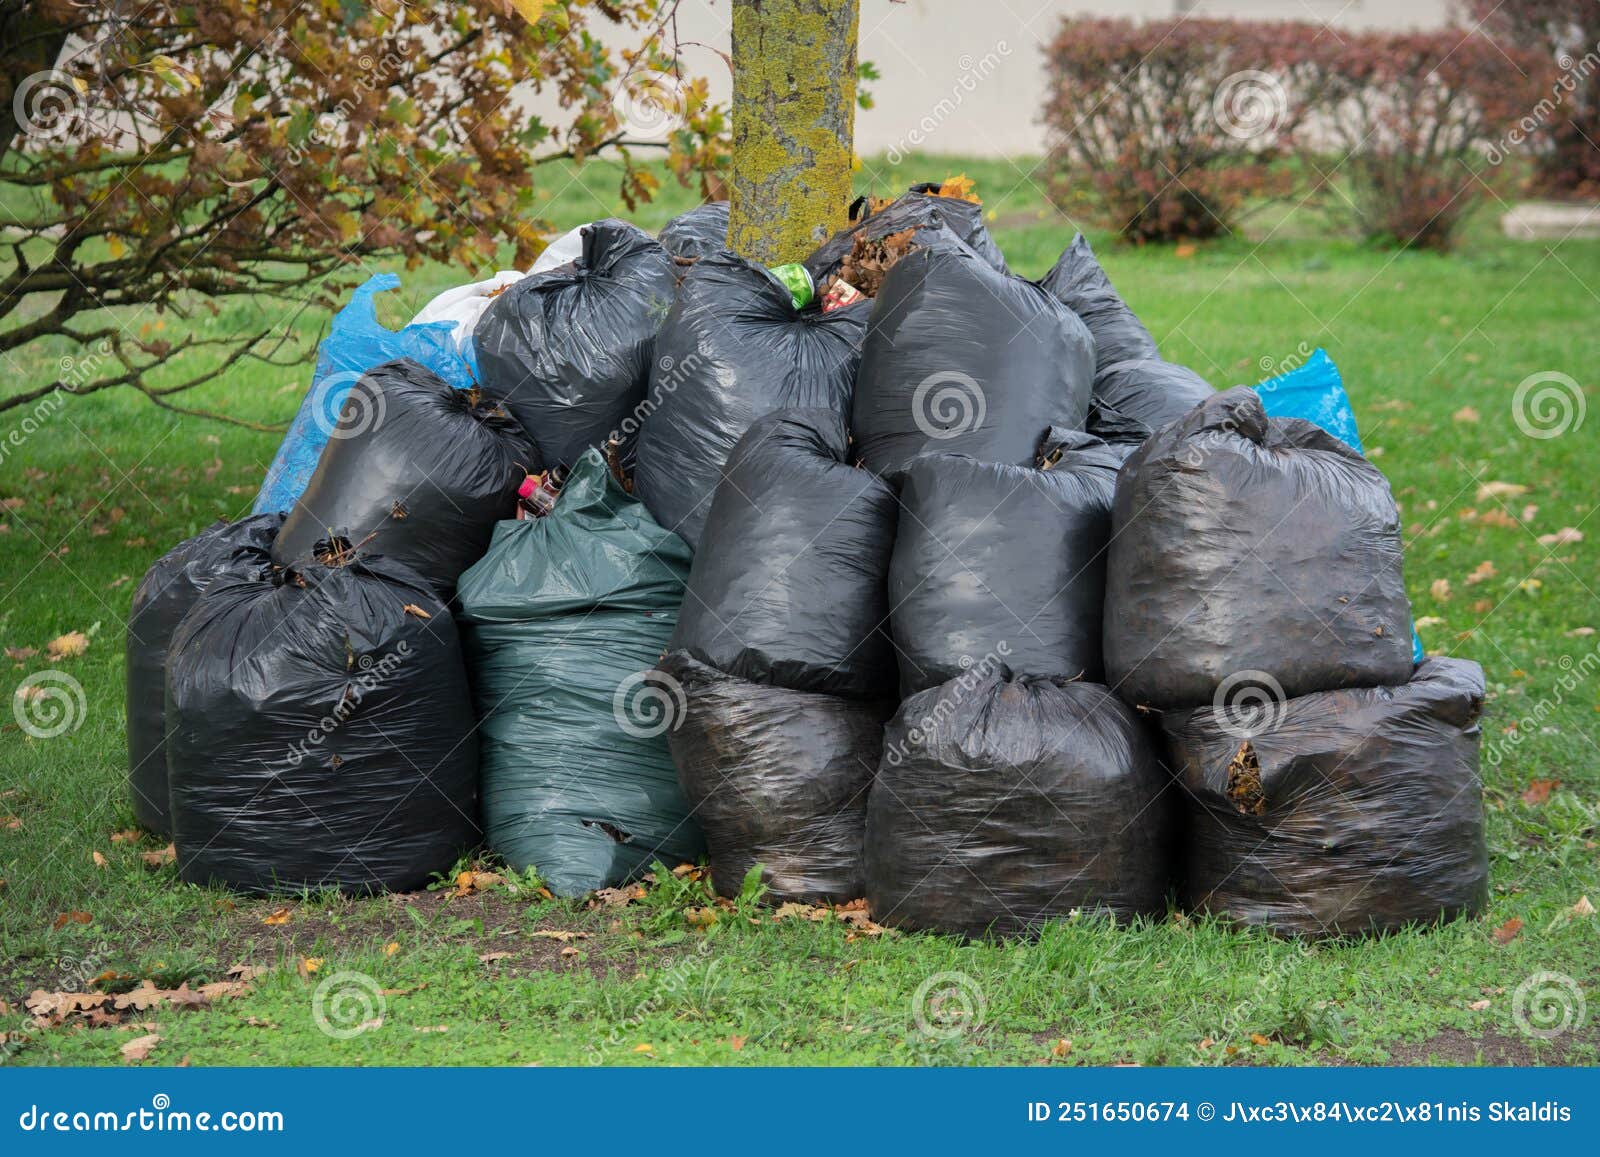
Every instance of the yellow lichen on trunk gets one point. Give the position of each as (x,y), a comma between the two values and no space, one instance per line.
(794,103)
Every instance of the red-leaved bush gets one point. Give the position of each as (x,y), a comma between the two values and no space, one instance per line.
(1404,125)
(1174,124)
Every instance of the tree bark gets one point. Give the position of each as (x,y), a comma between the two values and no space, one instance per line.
(794,111)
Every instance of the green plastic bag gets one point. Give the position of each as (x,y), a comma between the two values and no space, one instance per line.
(562,622)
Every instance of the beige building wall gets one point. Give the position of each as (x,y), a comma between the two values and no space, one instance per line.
(967,76)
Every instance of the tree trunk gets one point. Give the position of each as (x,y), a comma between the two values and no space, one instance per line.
(794,112)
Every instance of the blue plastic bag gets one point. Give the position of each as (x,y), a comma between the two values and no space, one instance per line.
(1315,392)
(355,343)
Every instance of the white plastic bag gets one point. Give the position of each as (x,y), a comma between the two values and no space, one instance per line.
(464,304)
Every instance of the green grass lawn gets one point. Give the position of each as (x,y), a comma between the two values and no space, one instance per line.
(1432,349)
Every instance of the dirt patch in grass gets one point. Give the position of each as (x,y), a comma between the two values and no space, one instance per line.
(1454,1047)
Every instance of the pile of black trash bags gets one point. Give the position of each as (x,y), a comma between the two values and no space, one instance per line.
(958,597)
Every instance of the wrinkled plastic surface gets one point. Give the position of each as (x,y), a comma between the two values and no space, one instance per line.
(962,359)
(166,593)
(777,778)
(1078,282)
(1349,812)
(1313,391)
(460,307)
(417,472)
(1151,390)
(698,233)
(919,208)
(1263,550)
(320,734)
(789,584)
(1008,561)
(562,620)
(733,349)
(355,343)
(569,350)
(1002,803)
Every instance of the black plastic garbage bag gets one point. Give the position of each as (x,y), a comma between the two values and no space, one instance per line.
(789,585)
(1249,552)
(1078,282)
(320,731)
(732,349)
(165,594)
(563,621)
(1002,803)
(960,358)
(920,208)
(1151,390)
(569,350)
(416,471)
(777,778)
(698,233)
(1339,812)
(1009,561)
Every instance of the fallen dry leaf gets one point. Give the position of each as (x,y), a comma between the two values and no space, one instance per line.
(1479,1005)
(160,859)
(491,957)
(280,916)
(1063,1048)
(1582,907)
(391,948)
(72,917)
(1465,414)
(560,934)
(67,646)
(1440,590)
(1482,573)
(470,882)
(413,609)
(644,1048)
(309,965)
(140,1047)
(736,1043)
(1539,790)
(1501,490)
(18,654)
(126,836)
(1257,1039)
(1508,931)
(99,860)
(569,951)
(1563,537)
